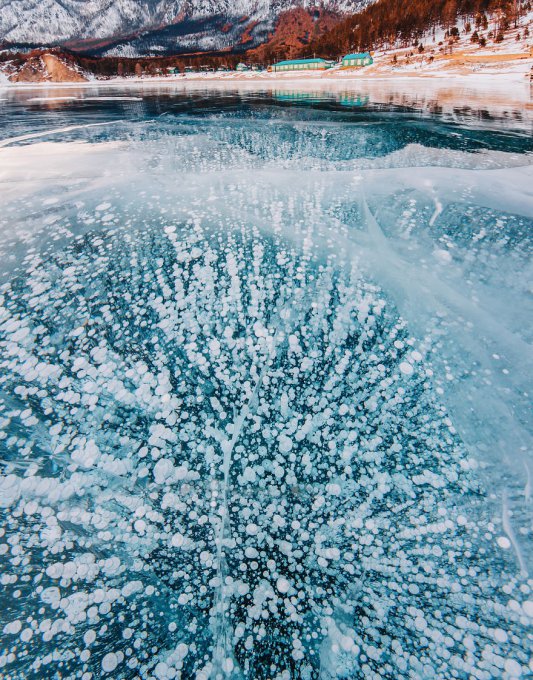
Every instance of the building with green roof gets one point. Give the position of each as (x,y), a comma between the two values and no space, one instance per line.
(303,65)
(357,60)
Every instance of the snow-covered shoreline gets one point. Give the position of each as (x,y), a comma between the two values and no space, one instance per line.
(516,76)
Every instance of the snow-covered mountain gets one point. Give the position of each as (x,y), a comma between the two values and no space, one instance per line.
(111,26)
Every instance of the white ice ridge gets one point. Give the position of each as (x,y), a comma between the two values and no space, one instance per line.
(224,455)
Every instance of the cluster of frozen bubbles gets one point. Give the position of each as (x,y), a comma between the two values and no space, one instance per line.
(223,457)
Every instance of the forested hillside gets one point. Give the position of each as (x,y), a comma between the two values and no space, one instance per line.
(397,22)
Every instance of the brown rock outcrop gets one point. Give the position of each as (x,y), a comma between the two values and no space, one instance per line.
(47,67)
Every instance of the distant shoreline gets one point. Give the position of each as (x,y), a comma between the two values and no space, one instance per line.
(266,78)
(507,60)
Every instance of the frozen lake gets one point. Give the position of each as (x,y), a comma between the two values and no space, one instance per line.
(265,382)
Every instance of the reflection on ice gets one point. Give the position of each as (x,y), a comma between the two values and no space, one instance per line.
(264,418)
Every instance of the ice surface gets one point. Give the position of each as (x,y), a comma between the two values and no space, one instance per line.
(264,401)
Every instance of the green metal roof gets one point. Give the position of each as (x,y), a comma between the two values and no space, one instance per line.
(360,55)
(287,62)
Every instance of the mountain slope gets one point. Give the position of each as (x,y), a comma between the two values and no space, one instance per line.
(131,27)
(396,22)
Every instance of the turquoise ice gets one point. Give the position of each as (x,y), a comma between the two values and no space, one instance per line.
(264,396)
